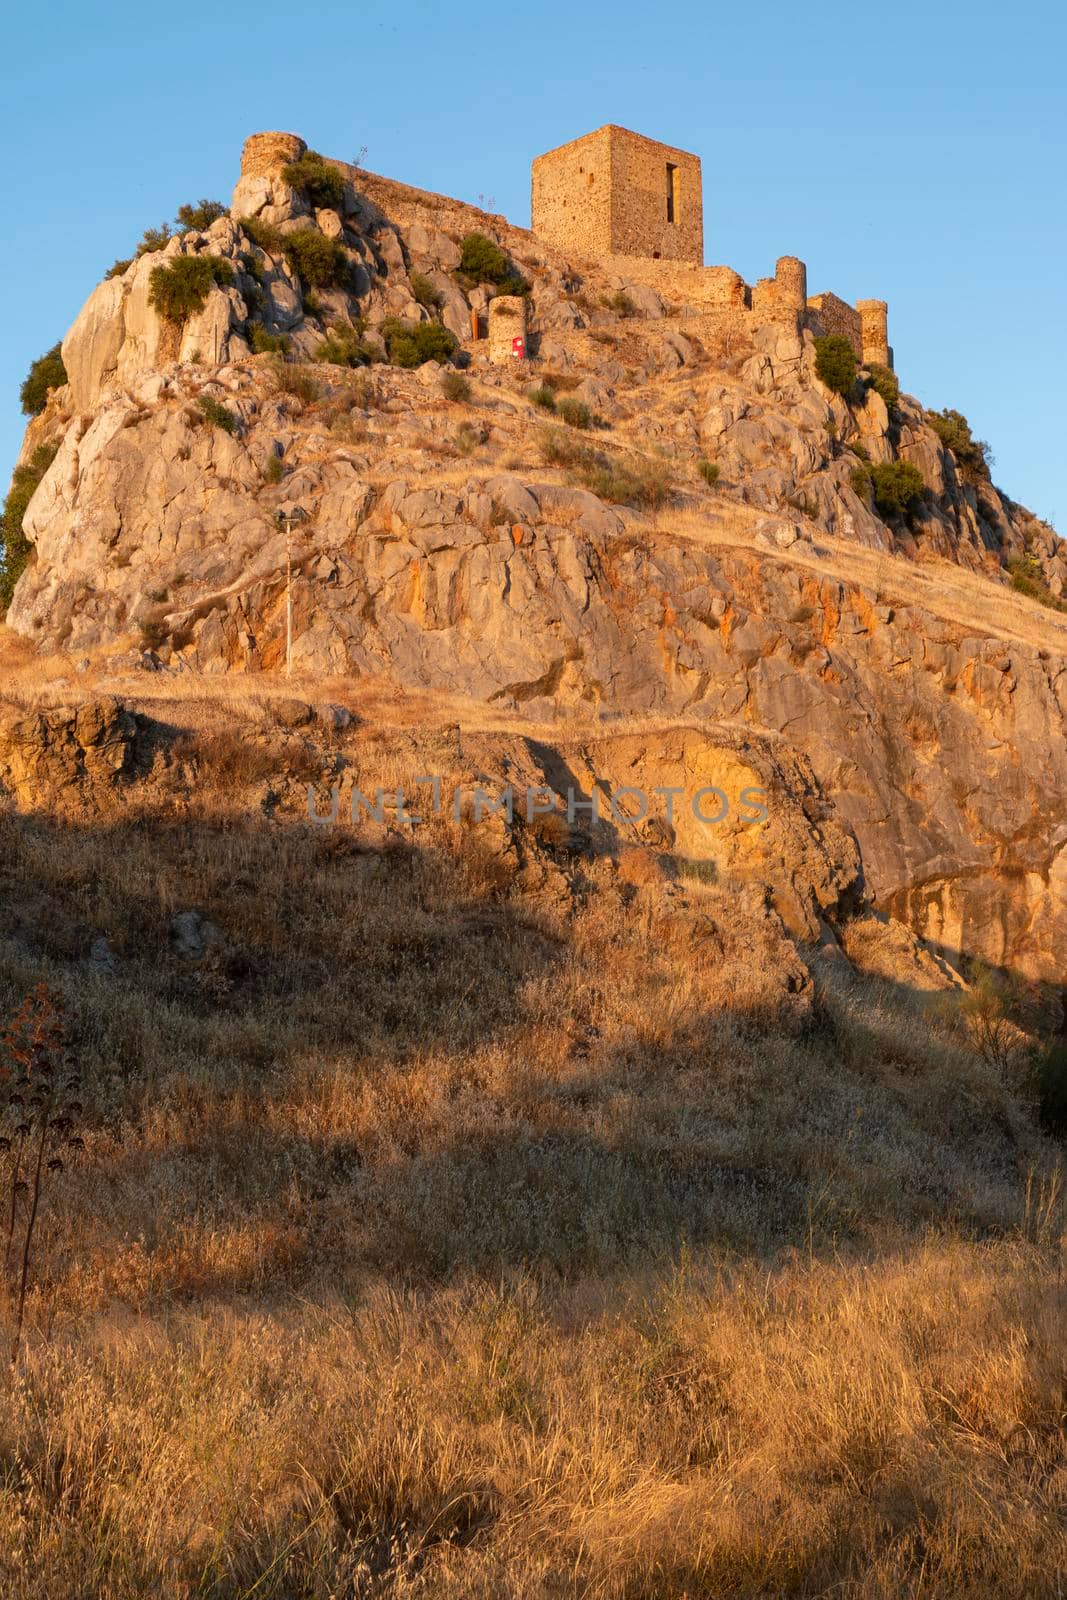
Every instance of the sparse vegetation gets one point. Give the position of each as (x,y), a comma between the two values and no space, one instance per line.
(181,287)
(897,486)
(883,380)
(466,439)
(542,396)
(264,343)
(409,344)
(214,412)
(620,303)
(454,386)
(274,471)
(16,548)
(1027,578)
(710,471)
(571,1342)
(346,346)
(1050,1078)
(45,374)
(954,431)
(835,363)
(320,263)
(321,185)
(295,380)
(425,292)
(575,413)
(198,218)
(483,261)
(634,480)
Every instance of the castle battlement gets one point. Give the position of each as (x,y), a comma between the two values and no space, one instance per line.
(615,193)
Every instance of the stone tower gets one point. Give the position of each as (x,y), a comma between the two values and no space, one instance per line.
(614,192)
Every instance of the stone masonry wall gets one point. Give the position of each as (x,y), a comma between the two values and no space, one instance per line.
(607,194)
(828,314)
(639,200)
(507,322)
(570,201)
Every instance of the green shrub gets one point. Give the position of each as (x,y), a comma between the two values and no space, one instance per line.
(709,471)
(883,380)
(542,396)
(454,386)
(198,218)
(180,287)
(265,234)
(1027,578)
(154,239)
(558,449)
(274,471)
(835,362)
(345,346)
(318,262)
(575,413)
(954,431)
(296,381)
(409,344)
(264,343)
(425,292)
(13,542)
(45,374)
(898,487)
(1050,1077)
(636,481)
(216,413)
(117,268)
(514,283)
(862,484)
(312,176)
(482,261)
(620,303)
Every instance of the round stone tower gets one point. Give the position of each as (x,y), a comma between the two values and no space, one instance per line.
(874,332)
(791,281)
(264,154)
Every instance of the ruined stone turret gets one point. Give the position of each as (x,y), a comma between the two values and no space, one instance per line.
(874,333)
(264,154)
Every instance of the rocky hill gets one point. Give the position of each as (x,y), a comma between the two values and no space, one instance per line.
(654,516)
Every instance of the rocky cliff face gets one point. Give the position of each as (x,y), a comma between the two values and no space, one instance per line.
(476,546)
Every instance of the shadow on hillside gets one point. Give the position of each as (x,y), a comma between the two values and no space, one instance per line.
(369,1064)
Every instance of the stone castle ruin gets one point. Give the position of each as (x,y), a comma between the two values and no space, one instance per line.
(616,193)
(630,204)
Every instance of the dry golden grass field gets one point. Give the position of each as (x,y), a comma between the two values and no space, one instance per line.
(439,1235)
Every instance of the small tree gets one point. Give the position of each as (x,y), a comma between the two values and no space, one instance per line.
(410,344)
(986,1009)
(954,431)
(1050,1076)
(198,218)
(41,1114)
(13,542)
(45,374)
(835,362)
(180,287)
(320,263)
(898,487)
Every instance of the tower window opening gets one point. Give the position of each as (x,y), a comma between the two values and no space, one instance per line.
(672,192)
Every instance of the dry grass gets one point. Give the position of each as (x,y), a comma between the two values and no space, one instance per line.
(440,1236)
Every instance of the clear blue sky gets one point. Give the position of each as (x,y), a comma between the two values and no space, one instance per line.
(914,153)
